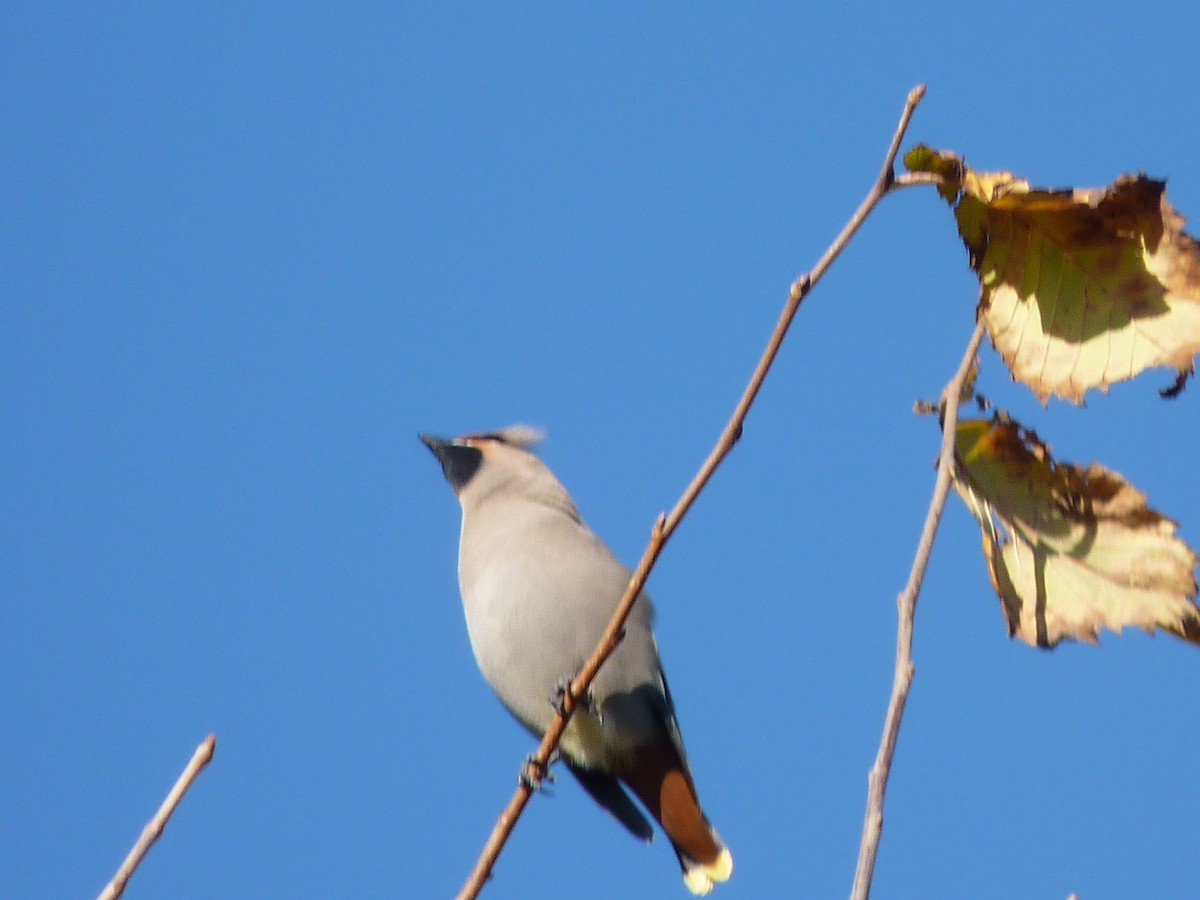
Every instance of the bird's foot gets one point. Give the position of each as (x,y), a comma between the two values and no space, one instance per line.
(562,691)
(534,775)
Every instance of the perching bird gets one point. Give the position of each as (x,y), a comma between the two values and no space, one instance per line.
(538,588)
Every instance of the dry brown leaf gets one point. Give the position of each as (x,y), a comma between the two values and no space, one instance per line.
(1079,288)
(1071,550)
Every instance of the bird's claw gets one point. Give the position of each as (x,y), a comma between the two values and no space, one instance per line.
(534,775)
(562,690)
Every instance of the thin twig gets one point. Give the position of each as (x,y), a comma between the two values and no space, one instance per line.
(907,603)
(154,829)
(665,525)
(913,179)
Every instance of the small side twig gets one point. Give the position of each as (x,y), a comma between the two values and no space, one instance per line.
(907,603)
(154,828)
(665,525)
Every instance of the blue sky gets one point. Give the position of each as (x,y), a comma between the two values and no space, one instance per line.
(248,252)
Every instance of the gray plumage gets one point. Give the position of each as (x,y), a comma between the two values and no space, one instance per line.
(538,588)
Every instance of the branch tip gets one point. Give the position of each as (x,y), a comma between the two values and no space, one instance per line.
(154,828)
(664,524)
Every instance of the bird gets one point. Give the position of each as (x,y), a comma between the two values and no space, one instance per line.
(538,589)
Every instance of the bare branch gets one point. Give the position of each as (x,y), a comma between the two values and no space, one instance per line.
(907,602)
(154,829)
(664,526)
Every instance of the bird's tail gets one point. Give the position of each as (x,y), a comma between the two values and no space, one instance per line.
(661,781)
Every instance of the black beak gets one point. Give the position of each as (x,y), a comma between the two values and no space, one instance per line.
(436,444)
(459,462)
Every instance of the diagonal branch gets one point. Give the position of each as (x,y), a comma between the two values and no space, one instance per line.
(907,602)
(153,831)
(665,525)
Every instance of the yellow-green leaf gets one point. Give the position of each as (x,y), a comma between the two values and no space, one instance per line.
(1079,289)
(1071,550)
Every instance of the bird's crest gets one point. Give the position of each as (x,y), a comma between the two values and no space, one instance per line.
(523,436)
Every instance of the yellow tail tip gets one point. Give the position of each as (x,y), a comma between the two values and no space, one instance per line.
(700,878)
